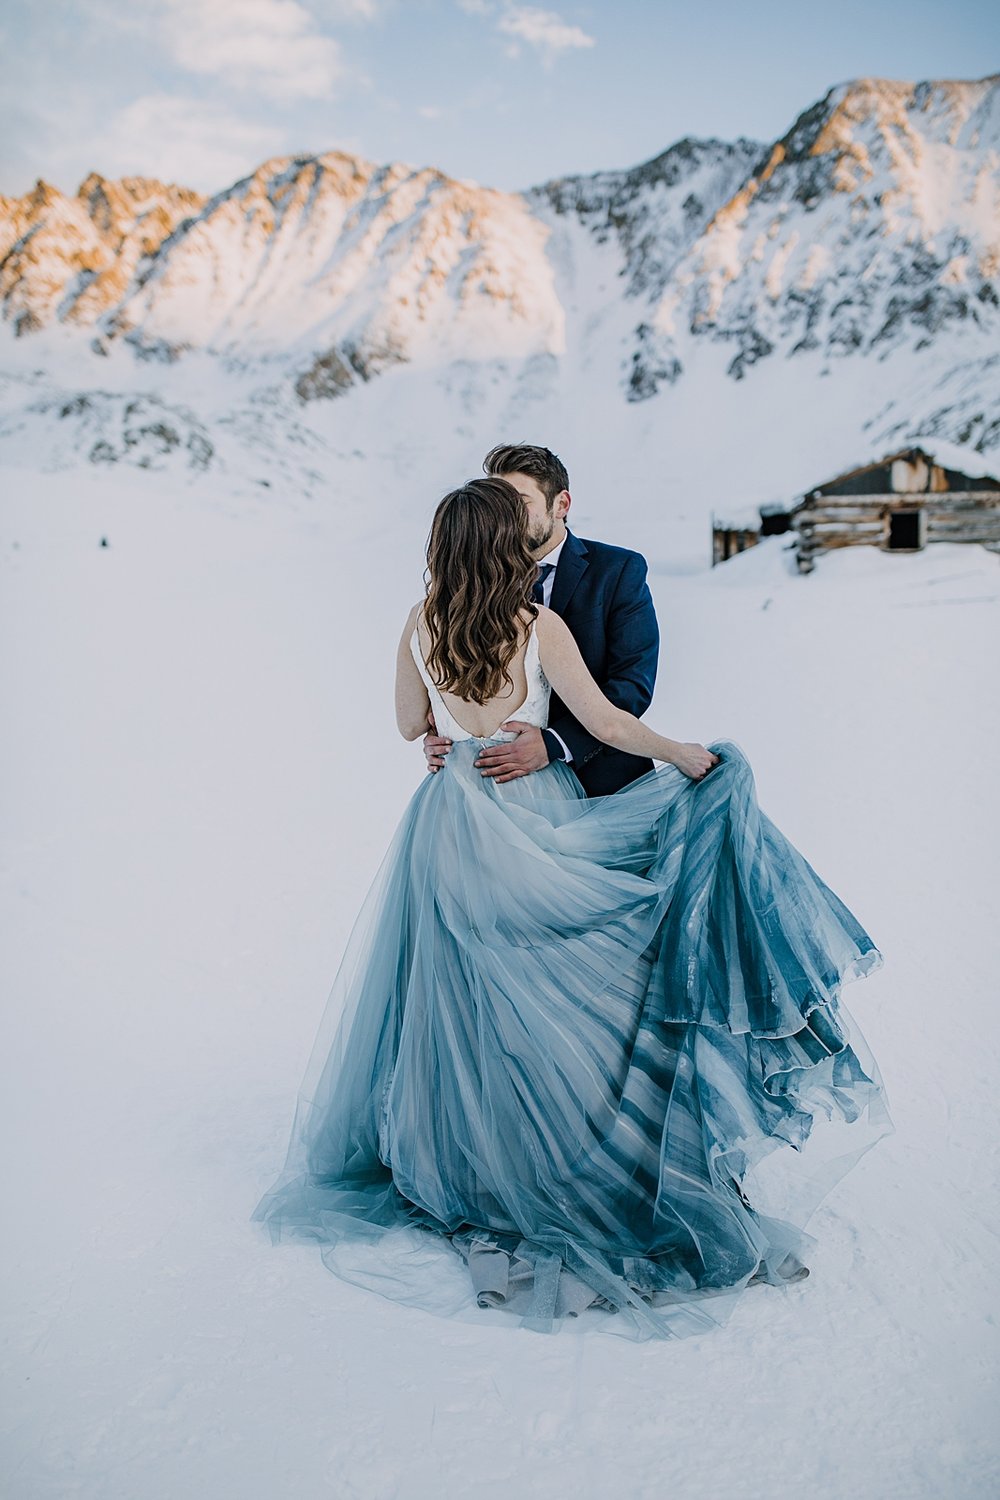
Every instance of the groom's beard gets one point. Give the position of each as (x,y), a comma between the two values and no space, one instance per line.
(542,533)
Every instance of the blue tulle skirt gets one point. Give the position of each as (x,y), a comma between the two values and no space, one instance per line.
(564,1041)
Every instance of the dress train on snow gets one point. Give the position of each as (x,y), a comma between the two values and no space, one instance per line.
(565,1041)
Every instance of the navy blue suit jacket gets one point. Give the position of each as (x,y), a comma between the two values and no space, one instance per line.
(602,594)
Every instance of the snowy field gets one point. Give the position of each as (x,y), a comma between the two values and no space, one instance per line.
(200,773)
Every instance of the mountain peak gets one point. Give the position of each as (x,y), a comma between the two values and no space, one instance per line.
(933,107)
(870,222)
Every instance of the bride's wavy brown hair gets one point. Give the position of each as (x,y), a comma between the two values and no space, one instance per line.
(480,574)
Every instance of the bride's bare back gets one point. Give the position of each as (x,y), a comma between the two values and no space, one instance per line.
(482,720)
(565,671)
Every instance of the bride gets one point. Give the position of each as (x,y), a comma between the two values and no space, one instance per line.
(568,1034)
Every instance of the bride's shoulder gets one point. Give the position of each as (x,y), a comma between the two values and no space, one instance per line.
(549,625)
(556,644)
(412,620)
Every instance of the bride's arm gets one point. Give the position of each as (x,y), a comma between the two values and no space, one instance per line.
(567,672)
(412,702)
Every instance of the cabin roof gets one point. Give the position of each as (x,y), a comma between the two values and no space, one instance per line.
(956,456)
(938,451)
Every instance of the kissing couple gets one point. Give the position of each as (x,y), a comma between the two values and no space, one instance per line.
(587,996)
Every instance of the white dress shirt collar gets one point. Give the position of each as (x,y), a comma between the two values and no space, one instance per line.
(553,556)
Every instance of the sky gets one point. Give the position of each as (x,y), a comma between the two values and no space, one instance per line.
(200,92)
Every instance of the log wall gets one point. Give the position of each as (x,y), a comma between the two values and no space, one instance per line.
(865,519)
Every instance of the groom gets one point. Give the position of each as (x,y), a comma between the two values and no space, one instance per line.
(601,593)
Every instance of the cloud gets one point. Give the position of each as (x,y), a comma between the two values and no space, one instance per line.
(543,29)
(194,142)
(270,46)
(547,32)
(351,10)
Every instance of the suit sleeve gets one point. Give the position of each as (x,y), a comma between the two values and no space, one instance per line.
(633,645)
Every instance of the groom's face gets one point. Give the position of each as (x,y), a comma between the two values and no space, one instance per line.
(546,522)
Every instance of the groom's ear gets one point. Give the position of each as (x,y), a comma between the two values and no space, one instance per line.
(561,504)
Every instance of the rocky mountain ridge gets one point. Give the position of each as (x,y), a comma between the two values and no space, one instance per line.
(871,225)
(875,220)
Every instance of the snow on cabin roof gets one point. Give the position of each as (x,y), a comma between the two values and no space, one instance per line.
(737,518)
(949,455)
(946,454)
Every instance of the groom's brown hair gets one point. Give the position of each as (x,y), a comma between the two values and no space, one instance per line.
(525,458)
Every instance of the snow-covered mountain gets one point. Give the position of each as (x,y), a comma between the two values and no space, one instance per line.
(70,260)
(873,223)
(870,229)
(327,259)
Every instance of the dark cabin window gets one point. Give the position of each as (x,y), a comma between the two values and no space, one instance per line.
(904,531)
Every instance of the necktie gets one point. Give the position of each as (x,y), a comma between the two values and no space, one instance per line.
(544,569)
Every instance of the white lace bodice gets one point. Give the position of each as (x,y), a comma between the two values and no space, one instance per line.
(534,709)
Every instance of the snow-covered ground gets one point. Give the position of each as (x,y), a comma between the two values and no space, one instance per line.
(200,774)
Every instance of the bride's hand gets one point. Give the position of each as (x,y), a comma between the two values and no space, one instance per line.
(436,746)
(695,761)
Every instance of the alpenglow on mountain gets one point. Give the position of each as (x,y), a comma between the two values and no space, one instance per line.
(872,225)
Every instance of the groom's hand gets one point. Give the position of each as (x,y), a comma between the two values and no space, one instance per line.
(436,747)
(517,757)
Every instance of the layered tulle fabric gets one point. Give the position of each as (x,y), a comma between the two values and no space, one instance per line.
(565,1039)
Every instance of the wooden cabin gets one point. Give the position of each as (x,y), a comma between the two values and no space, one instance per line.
(728,539)
(899,503)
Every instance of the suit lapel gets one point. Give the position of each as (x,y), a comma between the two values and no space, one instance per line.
(571,568)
